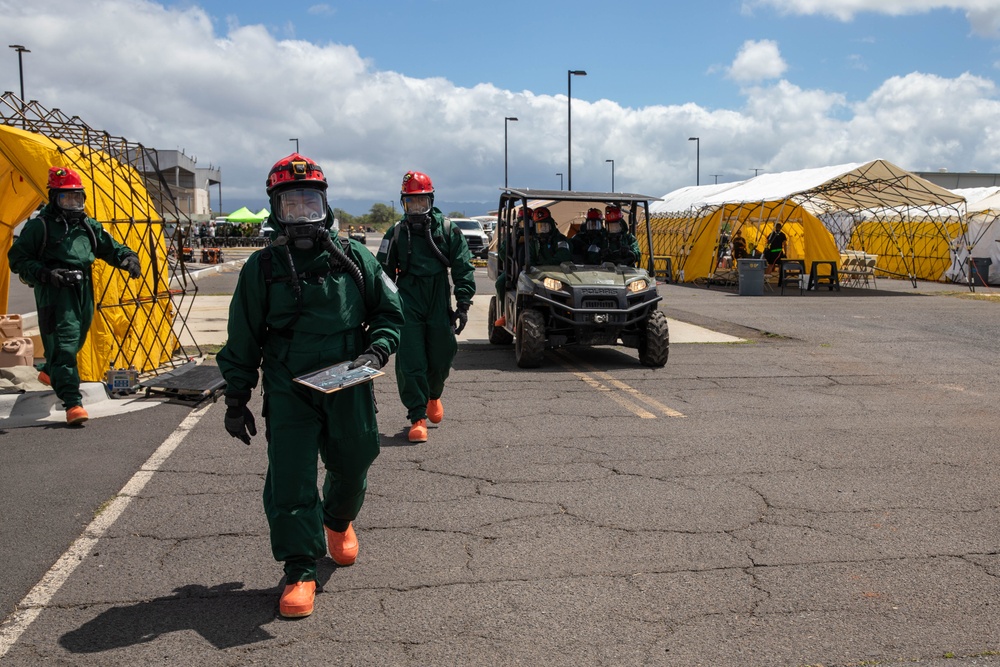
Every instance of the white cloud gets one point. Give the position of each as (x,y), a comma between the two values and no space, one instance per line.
(165,78)
(757,61)
(321,10)
(983,15)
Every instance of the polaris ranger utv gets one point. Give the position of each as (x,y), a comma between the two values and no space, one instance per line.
(572,303)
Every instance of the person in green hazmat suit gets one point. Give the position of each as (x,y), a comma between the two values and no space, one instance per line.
(54,253)
(623,247)
(418,252)
(590,244)
(307,302)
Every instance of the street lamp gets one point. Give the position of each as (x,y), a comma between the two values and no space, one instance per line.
(612,174)
(296,144)
(559,174)
(697,170)
(569,123)
(505,119)
(20,68)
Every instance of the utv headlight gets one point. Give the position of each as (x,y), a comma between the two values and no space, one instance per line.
(637,285)
(552,284)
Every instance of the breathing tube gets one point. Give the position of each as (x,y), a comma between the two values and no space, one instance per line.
(339,261)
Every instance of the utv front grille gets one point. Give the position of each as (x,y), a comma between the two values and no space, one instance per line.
(600,304)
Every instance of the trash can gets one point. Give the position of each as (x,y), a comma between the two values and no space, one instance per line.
(751,274)
(980,270)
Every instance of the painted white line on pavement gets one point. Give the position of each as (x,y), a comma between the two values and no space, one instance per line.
(34,602)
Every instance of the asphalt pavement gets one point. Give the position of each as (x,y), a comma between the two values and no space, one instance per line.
(820,489)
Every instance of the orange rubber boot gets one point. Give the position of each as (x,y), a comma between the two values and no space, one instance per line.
(343,546)
(500,321)
(297,600)
(418,432)
(43,377)
(435,410)
(76,415)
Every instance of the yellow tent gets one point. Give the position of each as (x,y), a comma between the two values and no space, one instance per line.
(821,211)
(133,324)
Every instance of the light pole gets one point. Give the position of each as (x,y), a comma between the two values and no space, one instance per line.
(569,123)
(20,69)
(612,174)
(559,174)
(756,170)
(716,177)
(505,119)
(296,144)
(697,159)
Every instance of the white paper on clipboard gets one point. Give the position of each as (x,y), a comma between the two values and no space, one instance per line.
(337,377)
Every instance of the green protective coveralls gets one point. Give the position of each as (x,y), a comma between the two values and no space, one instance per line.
(623,249)
(590,246)
(64,313)
(286,337)
(427,345)
(551,248)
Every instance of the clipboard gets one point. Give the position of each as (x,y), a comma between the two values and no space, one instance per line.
(337,377)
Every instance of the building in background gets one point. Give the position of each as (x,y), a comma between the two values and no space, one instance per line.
(180,180)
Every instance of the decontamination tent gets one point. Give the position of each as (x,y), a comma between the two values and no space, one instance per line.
(821,214)
(133,322)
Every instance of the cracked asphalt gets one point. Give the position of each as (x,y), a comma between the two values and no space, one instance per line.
(829,497)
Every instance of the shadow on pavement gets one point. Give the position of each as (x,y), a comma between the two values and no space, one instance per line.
(223,615)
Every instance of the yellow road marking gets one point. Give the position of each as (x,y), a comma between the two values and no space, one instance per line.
(648,400)
(637,410)
(631,406)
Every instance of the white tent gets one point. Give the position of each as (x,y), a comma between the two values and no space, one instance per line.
(984,227)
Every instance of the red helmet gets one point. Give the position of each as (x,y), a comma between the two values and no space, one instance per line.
(416,183)
(594,214)
(612,214)
(64,178)
(296,169)
(542,213)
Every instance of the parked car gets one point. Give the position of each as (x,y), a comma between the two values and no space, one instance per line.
(489,224)
(475,236)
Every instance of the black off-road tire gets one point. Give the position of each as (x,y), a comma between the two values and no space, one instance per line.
(497,335)
(529,342)
(654,345)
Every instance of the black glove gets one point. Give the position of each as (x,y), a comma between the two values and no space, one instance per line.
(58,277)
(461,317)
(239,420)
(131,264)
(374,357)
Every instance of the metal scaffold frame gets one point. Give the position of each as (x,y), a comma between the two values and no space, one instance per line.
(137,206)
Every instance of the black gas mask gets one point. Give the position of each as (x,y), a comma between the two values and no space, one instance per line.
(418,211)
(70,203)
(302,215)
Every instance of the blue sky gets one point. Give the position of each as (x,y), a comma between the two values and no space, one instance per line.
(375,88)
